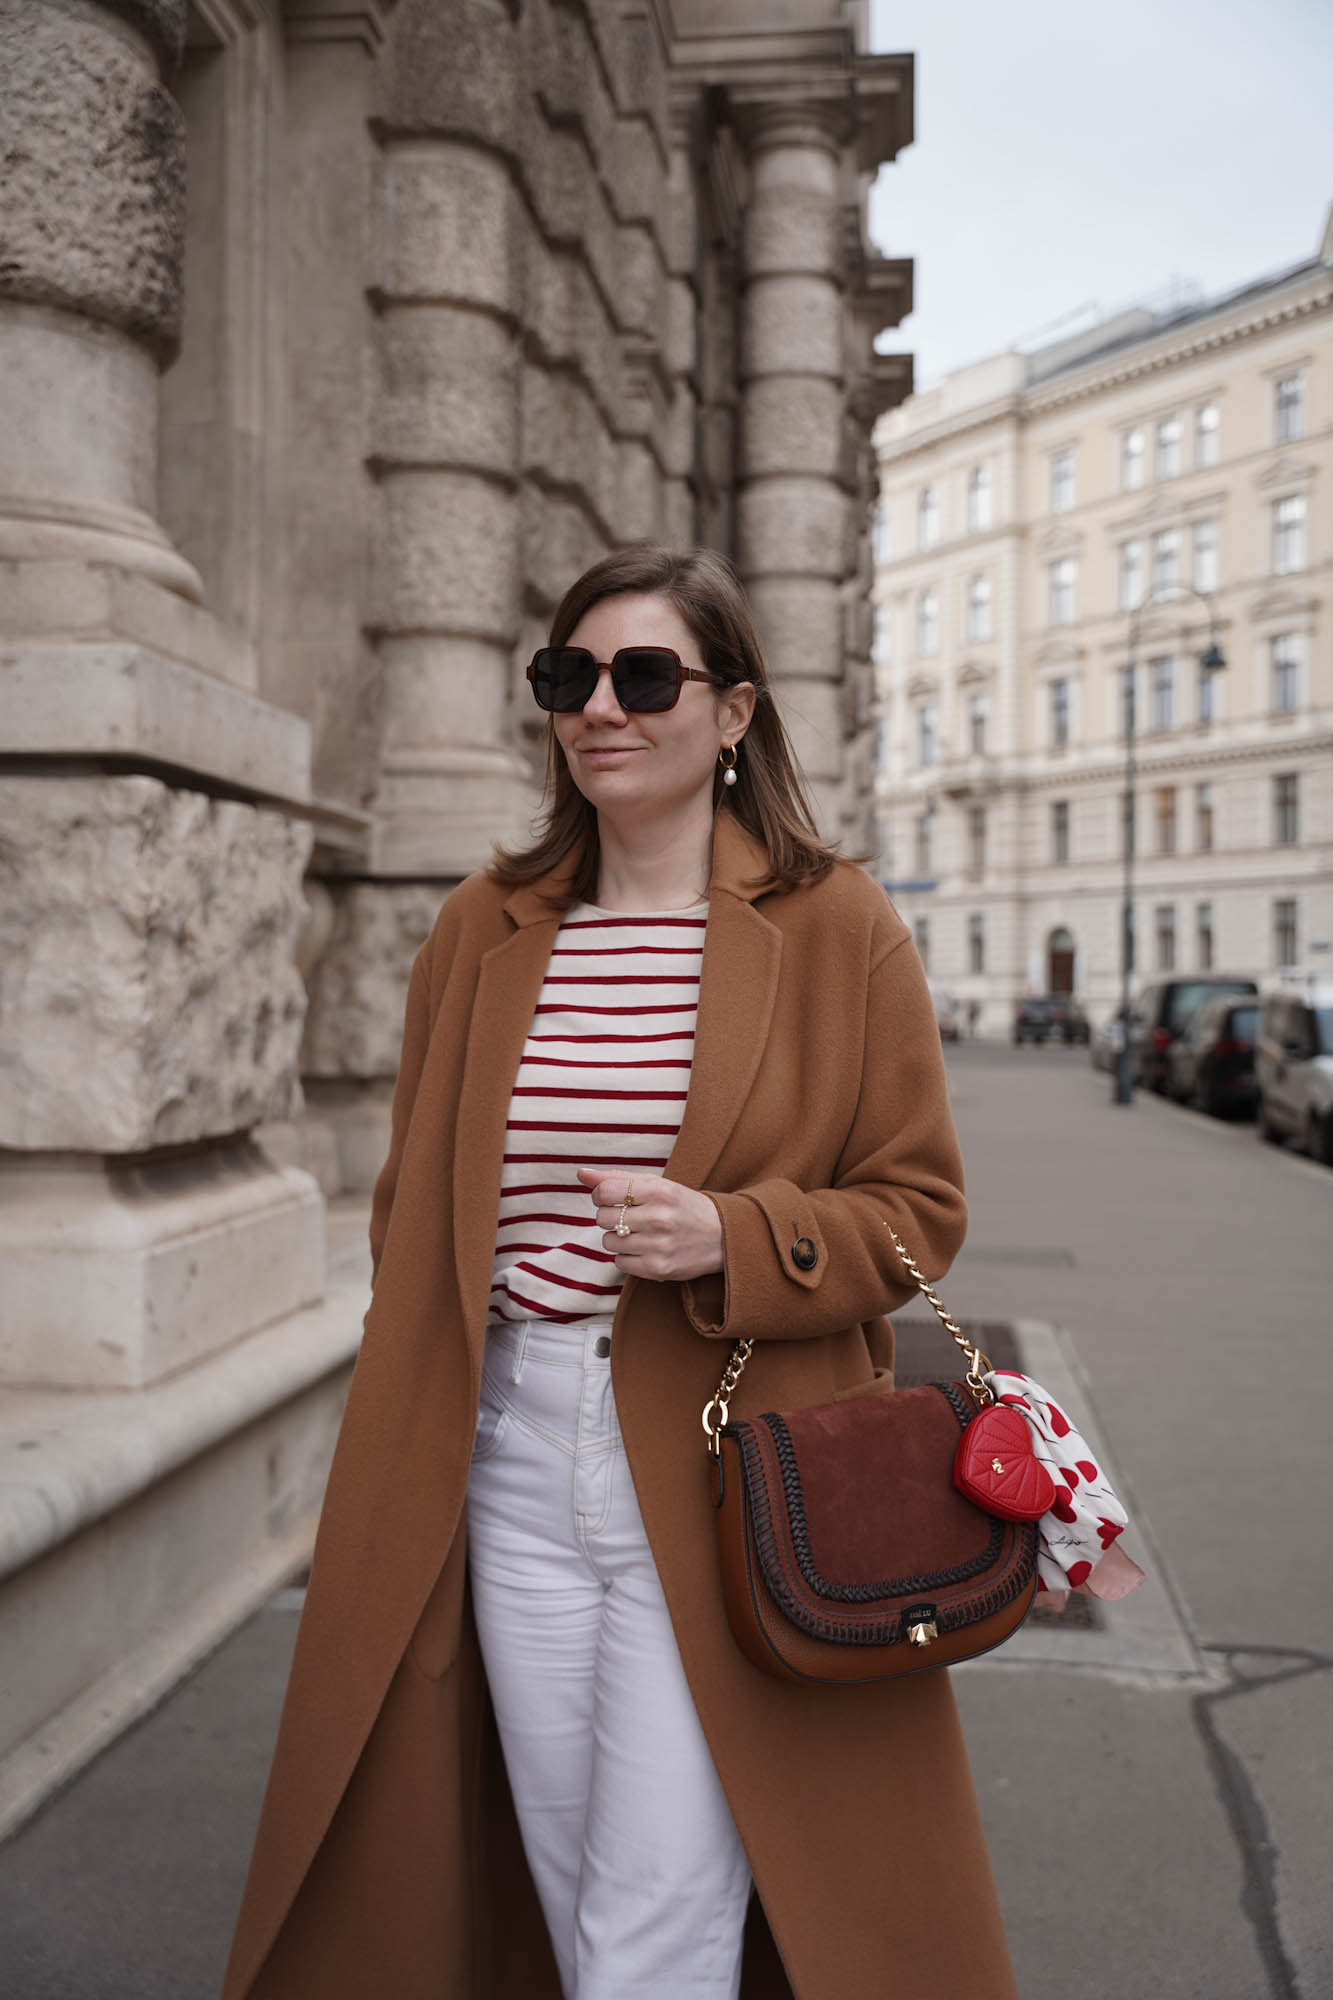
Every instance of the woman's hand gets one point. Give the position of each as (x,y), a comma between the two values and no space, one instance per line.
(674,1232)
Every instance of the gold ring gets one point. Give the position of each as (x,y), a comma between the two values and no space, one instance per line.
(629,1193)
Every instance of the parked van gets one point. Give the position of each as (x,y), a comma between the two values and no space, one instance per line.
(1294,1063)
(1161,1015)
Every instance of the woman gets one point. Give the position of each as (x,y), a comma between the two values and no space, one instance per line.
(559,1774)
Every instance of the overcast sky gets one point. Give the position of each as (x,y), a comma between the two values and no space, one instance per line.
(1070,152)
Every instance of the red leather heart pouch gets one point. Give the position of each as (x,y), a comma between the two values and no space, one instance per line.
(996,1467)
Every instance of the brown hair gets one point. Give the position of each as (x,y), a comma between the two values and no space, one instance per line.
(770,800)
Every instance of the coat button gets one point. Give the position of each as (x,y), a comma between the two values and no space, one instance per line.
(601,1347)
(804,1254)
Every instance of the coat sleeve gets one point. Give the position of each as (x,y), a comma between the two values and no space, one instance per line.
(900,1165)
(416,1036)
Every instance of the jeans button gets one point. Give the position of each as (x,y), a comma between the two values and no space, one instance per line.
(601,1347)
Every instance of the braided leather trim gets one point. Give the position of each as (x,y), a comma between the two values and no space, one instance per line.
(1000,1590)
(872,1593)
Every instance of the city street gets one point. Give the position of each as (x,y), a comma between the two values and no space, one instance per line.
(1153,1775)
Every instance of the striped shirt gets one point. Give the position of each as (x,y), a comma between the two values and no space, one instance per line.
(602,1083)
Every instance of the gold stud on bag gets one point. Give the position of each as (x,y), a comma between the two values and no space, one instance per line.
(863,1539)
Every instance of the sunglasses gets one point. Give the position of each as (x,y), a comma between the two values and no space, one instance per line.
(647,679)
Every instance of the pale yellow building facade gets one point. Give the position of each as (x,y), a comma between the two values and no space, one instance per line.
(1162,478)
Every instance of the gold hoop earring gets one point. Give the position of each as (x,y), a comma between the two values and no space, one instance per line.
(728,769)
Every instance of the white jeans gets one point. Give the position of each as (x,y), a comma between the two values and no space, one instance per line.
(636,1859)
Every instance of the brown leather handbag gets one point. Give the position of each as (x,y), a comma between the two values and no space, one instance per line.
(853,1544)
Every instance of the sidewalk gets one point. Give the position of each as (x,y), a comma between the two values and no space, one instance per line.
(1154,1779)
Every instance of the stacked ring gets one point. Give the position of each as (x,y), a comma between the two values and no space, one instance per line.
(622,1227)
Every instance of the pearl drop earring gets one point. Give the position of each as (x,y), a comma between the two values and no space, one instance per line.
(728,769)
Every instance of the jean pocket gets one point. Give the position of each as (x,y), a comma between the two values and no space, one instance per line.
(492,1423)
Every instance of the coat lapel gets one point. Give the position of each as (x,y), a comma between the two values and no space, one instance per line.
(738,988)
(507,987)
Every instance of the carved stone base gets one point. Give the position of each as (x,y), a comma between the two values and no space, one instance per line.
(119,1273)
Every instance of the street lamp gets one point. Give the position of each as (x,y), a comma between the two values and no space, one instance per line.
(1211,661)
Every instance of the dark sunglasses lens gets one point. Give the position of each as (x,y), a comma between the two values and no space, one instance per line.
(563,677)
(645,679)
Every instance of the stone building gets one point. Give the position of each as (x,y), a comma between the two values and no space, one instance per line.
(336,337)
(1164,477)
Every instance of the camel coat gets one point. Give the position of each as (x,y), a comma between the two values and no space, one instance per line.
(387,1864)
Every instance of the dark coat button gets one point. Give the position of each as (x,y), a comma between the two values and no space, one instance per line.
(804,1254)
(601,1347)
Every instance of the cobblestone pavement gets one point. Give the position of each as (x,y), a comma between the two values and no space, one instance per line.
(1153,1776)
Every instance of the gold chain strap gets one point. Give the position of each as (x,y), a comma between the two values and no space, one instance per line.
(978,1364)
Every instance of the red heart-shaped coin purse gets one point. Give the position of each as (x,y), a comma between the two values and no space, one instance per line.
(995,1466)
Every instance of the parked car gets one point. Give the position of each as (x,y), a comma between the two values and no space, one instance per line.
(948,1015)
(1055,1017)
(1161,1015)
(1294,1065)
(1212,1063)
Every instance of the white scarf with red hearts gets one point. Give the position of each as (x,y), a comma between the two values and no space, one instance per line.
(1077,1540)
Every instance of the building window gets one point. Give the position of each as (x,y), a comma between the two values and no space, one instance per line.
(1131,460)
(1284,931)
(882,744)
(1166,559)
(1203,936)
(976,839)
(921,832)
(978,499)
(978,608)
(1205,555)
(1131,574)
(1129,705)
(1166,454)
(928,624)
(1164,931)
(925,733)
(1289,534)
(879,533)
(1204,819)
(921,933)
(1062,576)
(1059,715)
(1207,696)
(1166,819)
(879,643)
(976,942)
(978,714)
(1286,809)
(1163,693)
(1059,831)
(1062,482)
(927,518)
(1288,408)
(1284,652)
(1206,427)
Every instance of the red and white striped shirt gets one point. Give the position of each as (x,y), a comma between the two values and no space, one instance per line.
(602,1083)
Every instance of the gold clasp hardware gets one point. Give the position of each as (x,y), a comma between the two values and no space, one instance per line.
(715,1409)
(714,1417)
(921,1628)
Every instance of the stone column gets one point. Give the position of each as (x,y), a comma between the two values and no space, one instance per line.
(150,1008)
(445,590)
(793,520)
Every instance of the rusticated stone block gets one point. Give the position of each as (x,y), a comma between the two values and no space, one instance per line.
(447,390)
(94,172)
(148,985)
(454,71)
(793,525)
(445,555)
(452,225)
(793,423)
(791,223)
(792,326)
(800,622)
(358,990)
(565,439)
